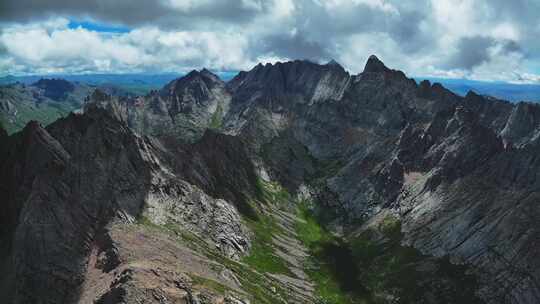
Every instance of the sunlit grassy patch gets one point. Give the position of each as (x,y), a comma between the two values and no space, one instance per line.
(217,118)
(330,265)
(262,255)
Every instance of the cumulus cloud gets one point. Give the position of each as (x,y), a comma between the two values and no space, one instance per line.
(146,49)
(474,51)
(478,39)
(165,13)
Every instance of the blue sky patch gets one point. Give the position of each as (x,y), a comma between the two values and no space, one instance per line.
(98,27)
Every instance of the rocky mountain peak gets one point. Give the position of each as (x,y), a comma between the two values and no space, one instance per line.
(195,81)
(203,74)
(31,125)
(208,74)
(332,62)
(523,123)
(335,65)
(472,95)
(290,82)
(374,65)
(99,95)
(429,90)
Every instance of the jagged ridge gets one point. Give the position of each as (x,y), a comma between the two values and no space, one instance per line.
(459,173)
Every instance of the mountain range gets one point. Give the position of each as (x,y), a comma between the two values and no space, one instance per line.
(44,100)
(293,182)
(509,91)
(141,84)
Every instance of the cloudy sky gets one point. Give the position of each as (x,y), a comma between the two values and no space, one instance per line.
(476,39)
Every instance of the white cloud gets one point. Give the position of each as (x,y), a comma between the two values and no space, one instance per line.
(423,38)
(506,31)
(347,4)
(283,8)
(80,50)
(184,5)
(39,48)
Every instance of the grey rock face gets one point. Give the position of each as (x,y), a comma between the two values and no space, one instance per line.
(522,125)
(307,81)
(461,173)
(63,185)
(374,65)
(469,205)
(458,170)
(219,164)
(185,107)
(60,191)
(282,89)
(215,220)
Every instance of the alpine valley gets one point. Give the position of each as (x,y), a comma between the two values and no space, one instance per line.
(293,182)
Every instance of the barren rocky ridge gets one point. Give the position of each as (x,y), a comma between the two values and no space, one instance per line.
(258,189)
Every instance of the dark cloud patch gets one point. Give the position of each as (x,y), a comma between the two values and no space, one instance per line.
(474,51)
(318,29)
(113,11)
(3,50)
(525,15)
(511,46)
(402,22)
(406,30)
(133,12)
(324,23)
(524,10)
(295,46)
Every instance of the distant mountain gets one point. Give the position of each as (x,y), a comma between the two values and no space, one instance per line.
(8,80)
(44,100)
(184,107)
(142,84)
(137,84)
(507,91)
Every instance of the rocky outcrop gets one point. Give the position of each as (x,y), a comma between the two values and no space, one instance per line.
(302,81)
(211,163)
(282,89)
(195,90)
(185,107)
(61,187)
(154,267)
(374,65)
(522,125)
(468,205)
(453,167)
(60,190)
(215,220)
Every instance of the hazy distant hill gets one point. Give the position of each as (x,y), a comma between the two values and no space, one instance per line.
(137,84)
(508,91)
(44,100)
